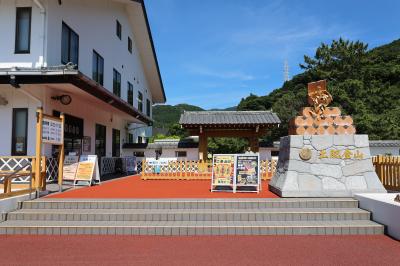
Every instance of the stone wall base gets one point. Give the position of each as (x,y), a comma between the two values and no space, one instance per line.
(337,166)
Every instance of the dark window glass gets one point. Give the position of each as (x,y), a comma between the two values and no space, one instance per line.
(98,68)
(116,143)
(140,101)
(138,154)
(116,83)
(69,45)
(100,143)
(139,139)
(23,30)
(148,107)
(130,138)
(180,154)
(119,30)
(19,132)
(130,93)
(129,44)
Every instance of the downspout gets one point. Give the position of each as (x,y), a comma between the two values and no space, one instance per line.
(43,61)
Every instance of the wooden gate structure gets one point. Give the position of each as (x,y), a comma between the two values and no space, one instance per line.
(251,125)
(388,171)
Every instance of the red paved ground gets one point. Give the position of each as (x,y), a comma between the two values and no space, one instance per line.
(134,187)
(223,250)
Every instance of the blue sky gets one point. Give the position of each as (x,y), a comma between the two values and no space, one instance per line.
(214,52)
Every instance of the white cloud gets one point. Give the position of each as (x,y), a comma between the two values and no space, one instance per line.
(204,71)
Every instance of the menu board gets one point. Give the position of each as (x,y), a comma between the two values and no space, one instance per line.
(87,168)
(247,170)
(223,170)
(52,131)
(70,167)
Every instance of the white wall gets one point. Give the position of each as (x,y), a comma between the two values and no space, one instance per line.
(7,32)
(16,99)
(192,154)
(394,151)
(95,23)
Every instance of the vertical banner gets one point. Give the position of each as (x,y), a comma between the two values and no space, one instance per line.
(223,172)
(247,172)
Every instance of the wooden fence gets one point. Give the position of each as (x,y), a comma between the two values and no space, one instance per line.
(195,170)
(388,170)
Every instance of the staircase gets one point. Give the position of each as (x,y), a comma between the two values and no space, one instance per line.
(190,217)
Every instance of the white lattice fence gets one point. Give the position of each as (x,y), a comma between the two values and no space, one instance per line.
(12,163)
(51,170)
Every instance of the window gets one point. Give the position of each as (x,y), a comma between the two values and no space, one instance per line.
(139,139)
(148,107)
(138,154)
(69,45)
(130,138)
(19,132)
(119,30)
(98,68)
(180,154)
(116,83)
(116,143)
(140,101)
(130,93)
(129,44)
(101,141)
(23,30)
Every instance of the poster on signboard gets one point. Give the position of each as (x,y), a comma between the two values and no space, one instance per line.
(88,169)
(70,167)
(247,170)
(223,171)
(52,131)
(130,163)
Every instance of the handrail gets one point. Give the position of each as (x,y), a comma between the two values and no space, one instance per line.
(15,174)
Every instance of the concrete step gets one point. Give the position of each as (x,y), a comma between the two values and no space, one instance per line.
(191,227)
(267,214)
(189,203)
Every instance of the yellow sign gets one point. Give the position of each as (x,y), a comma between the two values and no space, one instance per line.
(341,154)
(223,170)
(85,170)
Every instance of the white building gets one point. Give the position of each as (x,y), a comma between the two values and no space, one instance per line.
(96,54)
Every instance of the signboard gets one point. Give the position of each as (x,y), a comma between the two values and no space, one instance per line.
(88,169)
(247,170)
(87,144)
(70,167)
(130,164)
(159,162)
(52,131)
(223,171)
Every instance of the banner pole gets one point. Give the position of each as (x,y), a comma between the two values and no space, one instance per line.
(61,156)
(38,151)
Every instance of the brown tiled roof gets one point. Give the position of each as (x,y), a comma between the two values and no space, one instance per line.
(229,118)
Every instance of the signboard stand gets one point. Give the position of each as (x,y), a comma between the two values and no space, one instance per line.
(87,170)
(236,173)
(50,130)
(223,173)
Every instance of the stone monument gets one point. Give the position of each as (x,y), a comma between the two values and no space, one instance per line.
(322,156)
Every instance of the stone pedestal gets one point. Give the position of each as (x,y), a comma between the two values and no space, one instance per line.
(325,166)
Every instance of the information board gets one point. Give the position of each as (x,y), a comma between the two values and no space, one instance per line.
(70,167)
(247,170)
(88,169)
(130,164)
(223,172)
(52,131)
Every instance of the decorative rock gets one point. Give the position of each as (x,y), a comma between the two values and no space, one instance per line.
(343,140)
(361,141)
(321,142)
(325,177)
(334,171)
(356,183)
(329,183)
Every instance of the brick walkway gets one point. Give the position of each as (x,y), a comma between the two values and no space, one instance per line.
(134,187)
(223,250)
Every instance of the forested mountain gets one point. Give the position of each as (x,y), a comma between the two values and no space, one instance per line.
(364,84)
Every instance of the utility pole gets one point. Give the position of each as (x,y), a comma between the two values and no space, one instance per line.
(286,71)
